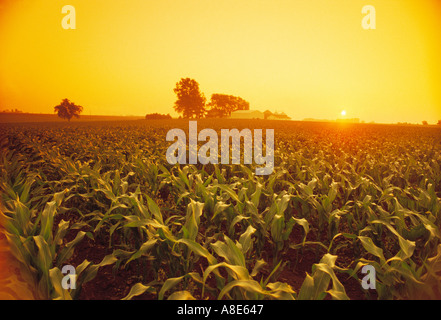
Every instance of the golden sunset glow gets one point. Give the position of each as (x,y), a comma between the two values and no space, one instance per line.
(304,58)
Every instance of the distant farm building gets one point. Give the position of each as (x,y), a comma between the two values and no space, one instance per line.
(278,116)
(247,114)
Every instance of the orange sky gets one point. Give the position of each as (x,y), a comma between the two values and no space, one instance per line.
(308,58)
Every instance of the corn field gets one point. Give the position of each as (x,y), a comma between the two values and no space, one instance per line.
(102,198)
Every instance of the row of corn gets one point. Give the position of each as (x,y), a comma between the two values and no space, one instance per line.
(353,197)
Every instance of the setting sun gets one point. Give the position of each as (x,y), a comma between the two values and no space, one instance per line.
(343,113)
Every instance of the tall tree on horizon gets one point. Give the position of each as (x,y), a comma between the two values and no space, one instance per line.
(67,109)
(191,101)
(224,104)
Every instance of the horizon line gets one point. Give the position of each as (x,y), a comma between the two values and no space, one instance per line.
(337,120)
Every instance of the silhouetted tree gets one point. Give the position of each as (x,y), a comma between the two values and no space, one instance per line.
(439,122)
(67,110)
(224,104)
(214,113)
(425,123)
(191,101)
(11,111)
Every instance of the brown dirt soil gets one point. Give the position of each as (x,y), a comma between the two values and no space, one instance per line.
(114,285)
(111,284)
